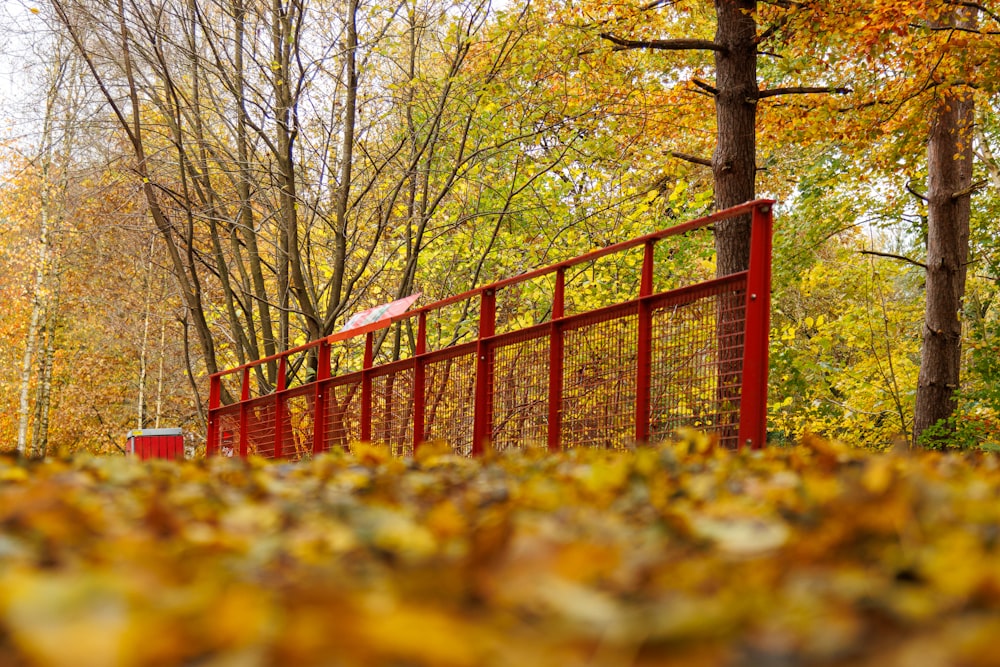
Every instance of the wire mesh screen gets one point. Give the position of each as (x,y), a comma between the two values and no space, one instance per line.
(392,410)
(260,427)
(297,425)
(228,424)
(342,411)
(599,380)
(519,410)
(450,401)
(691,382)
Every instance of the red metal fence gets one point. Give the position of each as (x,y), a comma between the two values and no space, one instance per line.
(621,345)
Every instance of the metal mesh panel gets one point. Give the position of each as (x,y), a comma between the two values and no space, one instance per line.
(260,427)
(450,394)
(392,411)
(599,384)
(297,430)
(520,393)
(228,420)
(692,384)
(343,414)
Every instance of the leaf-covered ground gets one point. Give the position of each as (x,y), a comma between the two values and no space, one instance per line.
(678,555)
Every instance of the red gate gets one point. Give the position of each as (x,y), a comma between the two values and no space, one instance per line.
(578,353)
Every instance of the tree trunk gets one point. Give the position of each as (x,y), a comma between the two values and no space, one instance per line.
(334,304)
(949,167)
(734,162)
(734,167)
(43,395)
(41,283)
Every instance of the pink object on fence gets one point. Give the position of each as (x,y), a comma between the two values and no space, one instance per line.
(554,357)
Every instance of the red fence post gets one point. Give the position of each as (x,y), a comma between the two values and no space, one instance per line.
(482,427)
(419,381)
(214,403)
(556,362)
(319,399)
(244,417)
(644,346)
(366,388)
(279,409)
(753,393)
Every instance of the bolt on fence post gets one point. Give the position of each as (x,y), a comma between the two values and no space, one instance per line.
(644,346)
(753,394)
(482,427)
(556,362)
(419,381)
(319,398)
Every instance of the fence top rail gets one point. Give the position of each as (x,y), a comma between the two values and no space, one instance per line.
(735,211)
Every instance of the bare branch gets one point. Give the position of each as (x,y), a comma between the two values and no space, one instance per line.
(656,4)
(694,159)
(909,188)
(622,44)
(952,28)
(802,90)
(978,185)
(711,90)
(889,255)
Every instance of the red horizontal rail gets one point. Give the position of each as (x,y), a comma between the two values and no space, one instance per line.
(440,383)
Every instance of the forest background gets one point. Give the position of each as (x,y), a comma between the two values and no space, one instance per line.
(192,184)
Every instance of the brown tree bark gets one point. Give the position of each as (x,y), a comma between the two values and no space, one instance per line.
(734,163)
(949,204)
(949,166)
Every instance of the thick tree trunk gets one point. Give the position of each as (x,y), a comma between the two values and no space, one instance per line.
(949,204)
(734,167)
(949,166)
(734,163)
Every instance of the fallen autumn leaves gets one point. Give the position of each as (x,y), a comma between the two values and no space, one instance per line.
(816,555)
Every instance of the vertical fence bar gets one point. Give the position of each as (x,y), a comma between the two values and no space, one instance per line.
(482,428)
(244,416)
(319,399)
(419,381)
(644,346)
(753,393)
(279,410)
(366,388)
(556,362)
(214,403)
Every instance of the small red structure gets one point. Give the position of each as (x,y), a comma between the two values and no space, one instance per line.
(156,443)
(622,345)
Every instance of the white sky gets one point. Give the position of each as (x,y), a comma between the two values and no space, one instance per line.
(18,87)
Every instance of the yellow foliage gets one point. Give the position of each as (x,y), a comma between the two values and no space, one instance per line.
(677,554)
